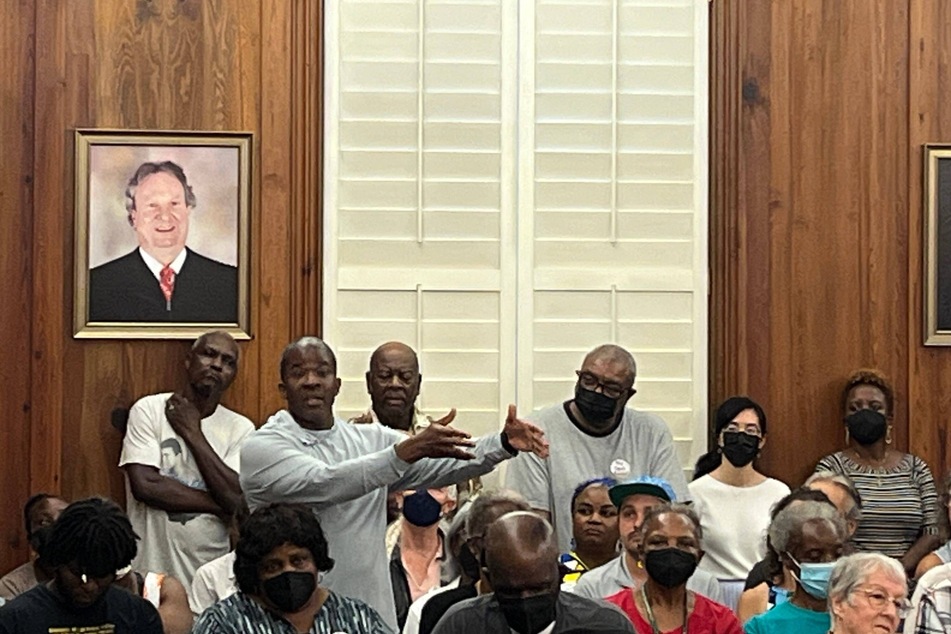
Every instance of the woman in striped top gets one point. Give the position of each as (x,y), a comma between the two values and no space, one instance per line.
(899,500)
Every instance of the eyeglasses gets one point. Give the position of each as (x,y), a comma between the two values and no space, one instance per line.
(878,600)
(752,429)
(591,382)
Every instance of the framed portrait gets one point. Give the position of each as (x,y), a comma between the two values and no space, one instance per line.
(937,247)
(162,234)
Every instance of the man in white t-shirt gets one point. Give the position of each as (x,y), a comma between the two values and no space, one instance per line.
(180,456)
(595,435)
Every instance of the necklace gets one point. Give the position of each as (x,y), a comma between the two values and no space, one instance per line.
(650,612)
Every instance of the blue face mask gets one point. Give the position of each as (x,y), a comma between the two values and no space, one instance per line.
(814,578)
(778,595)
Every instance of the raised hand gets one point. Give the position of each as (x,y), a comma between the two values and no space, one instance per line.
(182,415)
(439,440)
(524,436)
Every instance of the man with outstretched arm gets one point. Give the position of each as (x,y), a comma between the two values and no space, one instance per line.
(343,472)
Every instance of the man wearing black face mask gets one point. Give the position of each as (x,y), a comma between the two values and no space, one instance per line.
(521,558)
(594,435)
(279,558)
(419,563)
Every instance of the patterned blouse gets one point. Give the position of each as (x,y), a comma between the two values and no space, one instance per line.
(240,614)
(899,504)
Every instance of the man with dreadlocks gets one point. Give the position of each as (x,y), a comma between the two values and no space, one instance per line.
(90,541)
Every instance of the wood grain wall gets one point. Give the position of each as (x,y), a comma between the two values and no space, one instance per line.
(819,111)
(144,64)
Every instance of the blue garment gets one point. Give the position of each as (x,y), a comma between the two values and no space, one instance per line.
(787,618)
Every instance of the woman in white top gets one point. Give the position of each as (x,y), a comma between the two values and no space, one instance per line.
(732,498)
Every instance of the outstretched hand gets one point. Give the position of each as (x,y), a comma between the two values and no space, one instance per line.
(438,440)
(524,436)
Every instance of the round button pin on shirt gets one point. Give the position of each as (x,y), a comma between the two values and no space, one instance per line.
(620,469)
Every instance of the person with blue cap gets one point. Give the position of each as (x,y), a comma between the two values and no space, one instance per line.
(633,498)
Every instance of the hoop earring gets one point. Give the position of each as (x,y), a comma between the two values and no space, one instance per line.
(847,437)
(888,435)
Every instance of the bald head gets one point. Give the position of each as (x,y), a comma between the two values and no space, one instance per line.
(212,364)
(490,506)
(522,555)
(300,346)
(219,336)
(614,355)
(393,382)
(392,349)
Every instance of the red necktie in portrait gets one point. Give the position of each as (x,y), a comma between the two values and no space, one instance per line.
(167,282)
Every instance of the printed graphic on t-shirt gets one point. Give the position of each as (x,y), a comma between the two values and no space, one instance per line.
(176,464)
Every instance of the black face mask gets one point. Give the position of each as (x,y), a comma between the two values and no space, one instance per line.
(290,590)
(740,448)
(531,614)
(468,562)
(866,426)
(421,508)
(595,406)
(670,567)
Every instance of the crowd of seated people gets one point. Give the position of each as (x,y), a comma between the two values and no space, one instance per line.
(379,524)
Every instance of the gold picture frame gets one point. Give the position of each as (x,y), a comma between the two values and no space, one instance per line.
(937,247)
(162,234)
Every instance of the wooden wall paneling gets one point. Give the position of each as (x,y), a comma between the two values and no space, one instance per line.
(273,327)
(929,368)
(822,247)
(306,162)
(16,238)
(51,248)
(725,246)
(161,65)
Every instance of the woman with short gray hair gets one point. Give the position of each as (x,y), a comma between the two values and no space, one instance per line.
(809,537)
(868,592)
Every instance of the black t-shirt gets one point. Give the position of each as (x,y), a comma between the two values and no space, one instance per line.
(437,605)
(40,611)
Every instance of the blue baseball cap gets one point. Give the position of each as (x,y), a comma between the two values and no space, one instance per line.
(645,484)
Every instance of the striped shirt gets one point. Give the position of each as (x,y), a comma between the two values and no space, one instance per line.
(240,614)
(899,504)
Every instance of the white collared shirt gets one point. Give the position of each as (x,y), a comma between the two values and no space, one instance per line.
(156,267)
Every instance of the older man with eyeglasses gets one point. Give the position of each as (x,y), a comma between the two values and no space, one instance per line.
(594,435)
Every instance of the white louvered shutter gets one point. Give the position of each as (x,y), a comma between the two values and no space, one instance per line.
(420,155)
(510,183)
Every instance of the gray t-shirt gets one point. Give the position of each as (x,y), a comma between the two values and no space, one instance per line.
(482,615)
(344,473)
(641,445)
(610,578)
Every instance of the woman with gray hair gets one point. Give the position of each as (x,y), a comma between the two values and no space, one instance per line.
(868,593)
(809,537)
(841,491)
